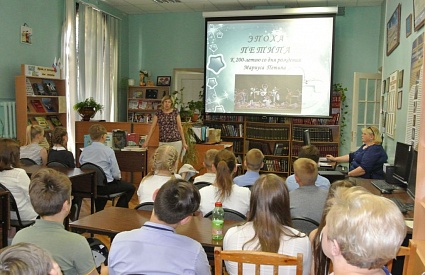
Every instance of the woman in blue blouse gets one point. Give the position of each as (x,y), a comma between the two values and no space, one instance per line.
(368,160)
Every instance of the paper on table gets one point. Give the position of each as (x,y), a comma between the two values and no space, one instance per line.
(183,154)
(409,223)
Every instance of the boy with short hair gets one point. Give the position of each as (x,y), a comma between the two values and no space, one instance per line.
(155,248)
(104,157)
(310,152)
(308,200)
(253,163)
(209,176)
(50,194)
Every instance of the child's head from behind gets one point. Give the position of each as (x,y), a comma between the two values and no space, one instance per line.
(310,152)
(96,131)
(254,159)
(225,166)
(306,171)
(209,158)
(32,132)
(48,190)
(165,158)
(9,154)
(59,134)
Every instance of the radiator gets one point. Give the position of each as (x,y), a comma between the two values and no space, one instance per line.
(8,119)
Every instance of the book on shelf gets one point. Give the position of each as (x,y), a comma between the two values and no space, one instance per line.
(28,87)
(133,104)
(42,122)
(29,121)
(48,104)
(142,139)
(50,87)
(138,94)
(38,106)
(38,89)
(108,140)
(142,104)
(55,120)
(133,139)
(119,139)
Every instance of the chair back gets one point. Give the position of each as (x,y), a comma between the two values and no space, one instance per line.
(4,217)
(201,184)
(409,254)
(18,222)
(229,214)
(100,174)
(148,206)
(56,164)
(257,258)
(28,161)
(304,224)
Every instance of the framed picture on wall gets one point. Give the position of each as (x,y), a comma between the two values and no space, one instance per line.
(393,30)
(399,100)
(408,25)
(400,78)
(163,80)
(418,13)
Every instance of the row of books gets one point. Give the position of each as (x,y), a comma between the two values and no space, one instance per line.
(269,119)
(336,100)
(224,118)
(139,117)
(323,149)
(48,122)
(237,146)
(280,148)
(267,133)
(229,130)
(143,104)
(121,140)
(47,87)
(323,134)
(276,165)
(334,120)
(46,105)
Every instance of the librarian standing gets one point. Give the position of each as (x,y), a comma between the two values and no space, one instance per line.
(170,126)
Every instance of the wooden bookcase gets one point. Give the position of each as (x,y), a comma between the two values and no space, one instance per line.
(279,138)
(141,106)
(32,108)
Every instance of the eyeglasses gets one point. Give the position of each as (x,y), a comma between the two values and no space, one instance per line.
(370,128)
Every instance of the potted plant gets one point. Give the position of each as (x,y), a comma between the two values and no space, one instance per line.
(197,107)
(88,108)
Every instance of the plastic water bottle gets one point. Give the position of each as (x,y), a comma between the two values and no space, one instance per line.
(217,221)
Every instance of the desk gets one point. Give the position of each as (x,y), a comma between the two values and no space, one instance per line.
(80,180)
(113,220)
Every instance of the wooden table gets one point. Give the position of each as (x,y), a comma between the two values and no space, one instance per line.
(113,220)
(83,181)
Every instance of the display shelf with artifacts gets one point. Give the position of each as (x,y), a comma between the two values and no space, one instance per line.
(143,101)
(37,102)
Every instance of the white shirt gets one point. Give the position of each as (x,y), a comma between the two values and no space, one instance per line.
(238,200)
(237,236)
(18,182)
(207,177)
(149,184)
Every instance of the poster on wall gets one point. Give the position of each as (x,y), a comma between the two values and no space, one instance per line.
(415,92)
(392,105)
(26,33)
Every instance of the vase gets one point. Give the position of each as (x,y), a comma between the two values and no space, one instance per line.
(87,113)
(142,79)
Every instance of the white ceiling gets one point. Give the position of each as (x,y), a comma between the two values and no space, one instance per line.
(149,6)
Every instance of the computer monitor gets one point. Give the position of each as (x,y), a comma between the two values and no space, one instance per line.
(306,137)
(402,162)
(411,183)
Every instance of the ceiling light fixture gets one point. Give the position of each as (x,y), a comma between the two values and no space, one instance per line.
(166,1)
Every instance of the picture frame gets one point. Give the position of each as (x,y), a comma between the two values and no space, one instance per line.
(400,78)
(387,87)
(163,81)
(408,25)
(418,13)
(393,30)
(399,99)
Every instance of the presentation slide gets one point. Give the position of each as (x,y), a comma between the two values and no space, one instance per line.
(269,66)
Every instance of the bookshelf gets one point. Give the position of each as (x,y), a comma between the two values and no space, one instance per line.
(143,101)
(279,138)
(40,100)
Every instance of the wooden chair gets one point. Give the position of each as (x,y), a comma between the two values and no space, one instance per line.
(148,206)
(258,258)
(304,224)
(229,214)
(201,184)
(55,164)
(405,252)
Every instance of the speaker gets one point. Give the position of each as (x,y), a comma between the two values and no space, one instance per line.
(389,175)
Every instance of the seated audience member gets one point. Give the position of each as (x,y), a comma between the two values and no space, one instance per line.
(321,263)
(269,228)
(187,171)
(362,233)
(15,179)
(103,156)
(209,176)
(223,189)
(28,259)
(368,161)
(32,148)
(253,163)
(155,248)
(310,152)
(164,167)
(308,200)
(50,193)
(59,152)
